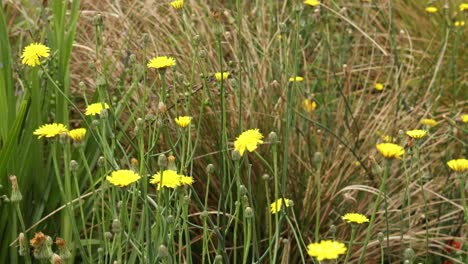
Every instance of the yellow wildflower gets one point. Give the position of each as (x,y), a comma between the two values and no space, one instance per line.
(416,134)
(390,150)
(355,218)
(161,62)
(122,178)
(431,9)
(177,4)
(220,76)
(183,121)
(464,118)
(278,205)
(463,6)
(77,134)
(428,122)
(95,109)
(50,130)
(309,105)
(378,86)
(312,2)
(460,23)
(33,52)
(170,179)
(458,165)
(326,250)
(296,79)
(248,140)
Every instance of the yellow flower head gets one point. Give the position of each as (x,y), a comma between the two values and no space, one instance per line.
(248,140)
(390,150)
(431,9)
(384,137)
(122,178)
(95,109)
(460,23)
(326,250)
(428,122)
(221,76)
(312,2)
(50,130)
(464,118)
(278,205)
(77,134)
(296,79)
(183,121)
(33,52)
(378,86)
(309,105)
(355,218)
(416,134)
(458,165)
(161,62)
(463,6)
(177,4)
(170,179)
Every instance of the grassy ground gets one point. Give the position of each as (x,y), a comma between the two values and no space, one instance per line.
(323,158)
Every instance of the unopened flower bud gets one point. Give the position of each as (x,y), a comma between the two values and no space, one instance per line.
(82,87)
(218,259)
(145,38)
(22,244)
(16,195)
(376,169)
(235,154)
(95,123)
(380,237)
(116,226)
(108,235)
(56,259)
(266,177)
(333,229)
(273,137)
(104,113)
(101,161)
(408,254)
(134,163)
(74,165)
(318,157)
(162,107)
(210,169)
(242,189)
(162,251)
(170,219)
(171,163)
(249,213)
(204,214)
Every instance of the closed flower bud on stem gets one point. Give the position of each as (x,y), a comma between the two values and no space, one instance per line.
(218,259)
(16,195)
(162,161)
(101,161)
(74,165)
(171,163)
(249,213)
(409,254)
(210,169)
(266,177)
(162,251)
(22,244)
(380,237)
(116,226)
(134,163)
(235,154)
(56,259)
(273,137)
(318,157)
(242,189)
(108,235)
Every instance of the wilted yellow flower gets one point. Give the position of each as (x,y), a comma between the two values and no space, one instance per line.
(390,150)
(161,62)
(428,122)
(460,23)
(33,52)
(122,178)
(183,121)
(355,218)
(177,4)
(378,86)
(50,130)
(431,9)
(248,140)
(464,118)
(312,2)
(385,137)
(220,76)
(170,179)
(296,79)
(95,109)
(309,105)
(326,249)
(278,205)
(77,134)
(463,6)
(458,165)
(416,134)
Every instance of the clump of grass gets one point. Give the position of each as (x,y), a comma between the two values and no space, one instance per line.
(233,132)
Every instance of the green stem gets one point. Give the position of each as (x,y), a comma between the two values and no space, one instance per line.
(351,241)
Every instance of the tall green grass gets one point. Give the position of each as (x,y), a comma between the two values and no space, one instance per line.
(324,160)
